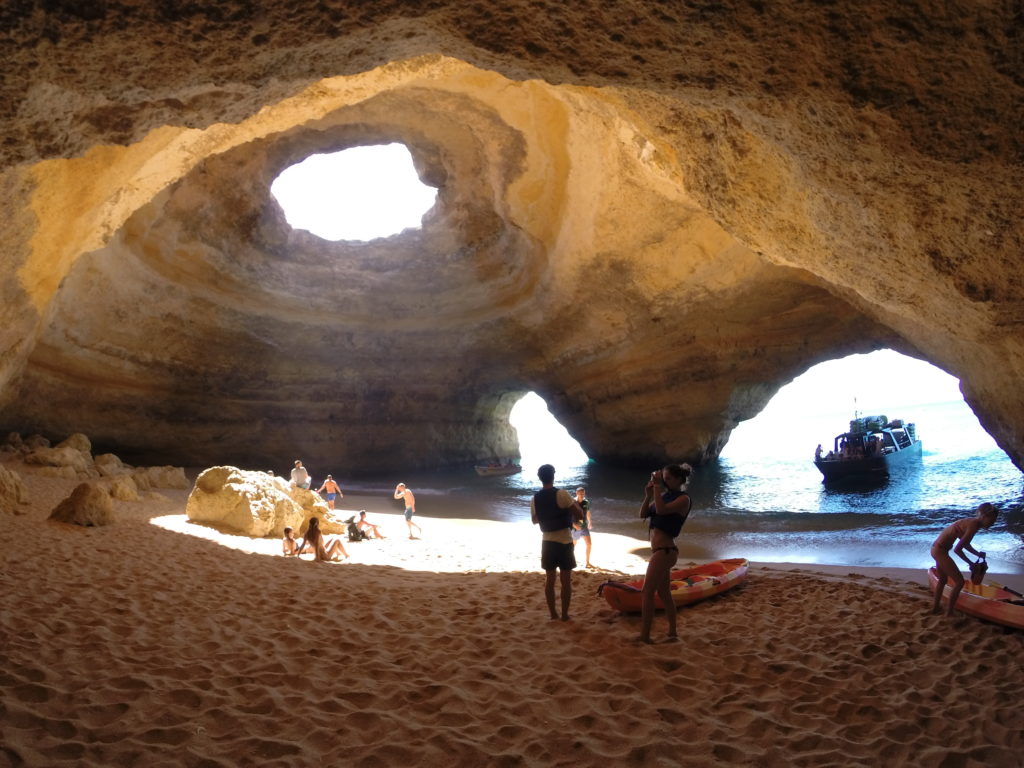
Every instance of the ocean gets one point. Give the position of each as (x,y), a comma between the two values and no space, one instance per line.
(763,499)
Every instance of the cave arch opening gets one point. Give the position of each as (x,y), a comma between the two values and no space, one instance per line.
(818,404)
(542,439)
(357,194)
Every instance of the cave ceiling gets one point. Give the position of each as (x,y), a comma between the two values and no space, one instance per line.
(654,217)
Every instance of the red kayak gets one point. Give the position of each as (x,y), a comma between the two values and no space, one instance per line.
(985,601)
(688,585)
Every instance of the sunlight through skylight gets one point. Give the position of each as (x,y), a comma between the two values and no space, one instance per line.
(360,193)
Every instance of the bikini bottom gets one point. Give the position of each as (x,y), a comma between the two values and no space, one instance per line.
(664,549)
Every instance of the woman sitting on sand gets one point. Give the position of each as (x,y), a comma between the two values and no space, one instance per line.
(314,542)
(666,505)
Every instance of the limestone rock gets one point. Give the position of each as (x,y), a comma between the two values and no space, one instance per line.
(33,442)
(160,477)
(61,456)
(250,503)
(78,442)
(123,488)
(88,505)
(12,490)
(65,473)
(109,465)
(653,217)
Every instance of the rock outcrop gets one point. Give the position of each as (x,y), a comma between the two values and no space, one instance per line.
(254,503)
(88,505)
(653,215)
(12,490)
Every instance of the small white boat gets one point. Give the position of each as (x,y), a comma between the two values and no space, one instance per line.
(497,469)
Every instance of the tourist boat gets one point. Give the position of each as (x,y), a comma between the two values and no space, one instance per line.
(993,602)
(485,470)
(688,585)
(873,447)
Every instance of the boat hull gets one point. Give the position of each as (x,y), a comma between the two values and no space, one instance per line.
(867,467)
(992,604)
(689,585)
(485,471)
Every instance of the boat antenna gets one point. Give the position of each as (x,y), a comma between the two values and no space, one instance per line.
(856,413)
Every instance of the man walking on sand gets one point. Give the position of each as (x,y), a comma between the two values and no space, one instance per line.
(401,492)
(553,509)
(333,491)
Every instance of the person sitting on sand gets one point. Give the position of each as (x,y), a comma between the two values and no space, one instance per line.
(322,550)
(666,505)
(401,492)
(581,528)
(288,543)
(300,477)
(365,525)
(332,489)
(554,511)
(964,530)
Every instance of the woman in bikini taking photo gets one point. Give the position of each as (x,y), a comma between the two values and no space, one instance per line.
(665,506)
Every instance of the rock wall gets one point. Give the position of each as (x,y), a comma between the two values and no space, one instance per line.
(654,215)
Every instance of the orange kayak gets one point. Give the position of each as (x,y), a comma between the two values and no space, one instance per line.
(688,585)
(985,601)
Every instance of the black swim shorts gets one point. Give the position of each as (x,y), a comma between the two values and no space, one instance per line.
(555,554)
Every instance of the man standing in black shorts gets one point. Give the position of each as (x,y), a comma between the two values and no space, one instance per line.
(553,509)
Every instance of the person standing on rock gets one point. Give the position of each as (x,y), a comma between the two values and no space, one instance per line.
(300,477)
(403,493)
(554,511)
(333,491)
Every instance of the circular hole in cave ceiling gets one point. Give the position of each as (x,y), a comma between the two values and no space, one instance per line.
(360,194)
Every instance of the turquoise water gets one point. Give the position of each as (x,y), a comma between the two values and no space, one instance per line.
(764,500)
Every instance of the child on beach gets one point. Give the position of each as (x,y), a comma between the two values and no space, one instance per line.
(288,544)
(964,530)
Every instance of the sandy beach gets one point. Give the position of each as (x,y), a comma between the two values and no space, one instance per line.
(155,641)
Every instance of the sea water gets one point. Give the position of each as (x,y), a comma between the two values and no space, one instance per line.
(763,499)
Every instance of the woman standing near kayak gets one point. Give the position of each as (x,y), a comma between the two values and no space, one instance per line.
(666,506)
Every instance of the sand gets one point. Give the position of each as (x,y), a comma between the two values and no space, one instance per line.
(157,642)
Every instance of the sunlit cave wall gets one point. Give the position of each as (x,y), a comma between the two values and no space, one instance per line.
(653,217)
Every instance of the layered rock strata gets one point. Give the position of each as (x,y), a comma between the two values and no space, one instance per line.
(653,217)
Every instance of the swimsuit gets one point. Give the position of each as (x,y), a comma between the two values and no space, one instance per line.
(331,496)
(664,549)
(408,513)
(555,554)
(671,524)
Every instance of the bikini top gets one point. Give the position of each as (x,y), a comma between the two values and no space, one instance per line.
(671,524)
